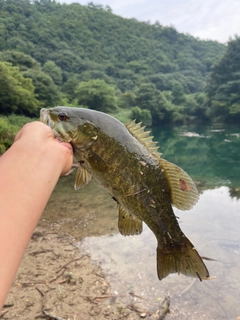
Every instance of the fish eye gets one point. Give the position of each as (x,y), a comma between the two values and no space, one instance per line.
(62,116)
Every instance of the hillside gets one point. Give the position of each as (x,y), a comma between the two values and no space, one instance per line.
(67,49)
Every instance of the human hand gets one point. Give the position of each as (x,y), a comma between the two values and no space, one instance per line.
(29,171)
(37,135)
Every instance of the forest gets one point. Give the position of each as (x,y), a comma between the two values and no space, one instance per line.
(86,56)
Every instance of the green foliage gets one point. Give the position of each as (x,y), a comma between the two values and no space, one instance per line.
(9,126)
(178,94)
(86,55)
(159,103)
(142,115)
(123,115)
(53,71)
(195,108)
(20,59)
(127,100)
(17,93)
(224,85)
(70,85)
(45,89)
(97,95)
(147,96)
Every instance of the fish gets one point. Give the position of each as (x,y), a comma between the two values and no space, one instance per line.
(125,160)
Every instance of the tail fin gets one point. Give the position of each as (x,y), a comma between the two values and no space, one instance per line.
(181,258)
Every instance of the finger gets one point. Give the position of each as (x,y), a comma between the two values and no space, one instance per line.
(34,128)
(65,144)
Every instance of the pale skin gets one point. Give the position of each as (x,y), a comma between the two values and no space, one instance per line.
(29,171)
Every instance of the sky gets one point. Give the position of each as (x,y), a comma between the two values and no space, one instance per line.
(205,19)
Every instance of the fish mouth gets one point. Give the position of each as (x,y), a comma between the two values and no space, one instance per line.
(46,119)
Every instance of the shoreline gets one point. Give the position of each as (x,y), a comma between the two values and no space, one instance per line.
(57,281)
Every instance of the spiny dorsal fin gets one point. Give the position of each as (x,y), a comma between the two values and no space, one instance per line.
(184,193)
(82,178)
(128,224)
(143,137)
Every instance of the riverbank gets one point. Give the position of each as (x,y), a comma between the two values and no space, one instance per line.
(57,281)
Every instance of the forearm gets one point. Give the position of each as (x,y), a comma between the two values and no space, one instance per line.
(26,184)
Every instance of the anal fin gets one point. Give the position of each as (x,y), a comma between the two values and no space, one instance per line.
(128,224)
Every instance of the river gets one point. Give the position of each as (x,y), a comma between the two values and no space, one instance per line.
(211,155)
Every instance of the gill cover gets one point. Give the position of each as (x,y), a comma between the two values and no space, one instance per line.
(80,132)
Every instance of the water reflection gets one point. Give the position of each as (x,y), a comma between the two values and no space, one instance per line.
(213,227)
(87,212)
(212,156)
(90,215)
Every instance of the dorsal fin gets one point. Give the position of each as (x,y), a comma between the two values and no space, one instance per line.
(184,193)
(137,130)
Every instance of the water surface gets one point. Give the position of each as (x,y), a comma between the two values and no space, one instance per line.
(211,155)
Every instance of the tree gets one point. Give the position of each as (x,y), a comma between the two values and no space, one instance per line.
(20,59)
(90,43)
(137,66)
(108,9)
(195,107)
(53,71)
(149,98)
(97,95)
(70,85)
(143,116)
(127,100)
(178,94)
(224,85)
(17,93)
(45,89)
(95,74)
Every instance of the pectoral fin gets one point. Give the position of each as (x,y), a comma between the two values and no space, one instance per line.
(83,176)
(128,224)
(184,193)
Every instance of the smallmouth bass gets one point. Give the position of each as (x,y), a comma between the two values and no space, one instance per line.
(125,161)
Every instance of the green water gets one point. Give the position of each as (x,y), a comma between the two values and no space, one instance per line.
(211,155)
